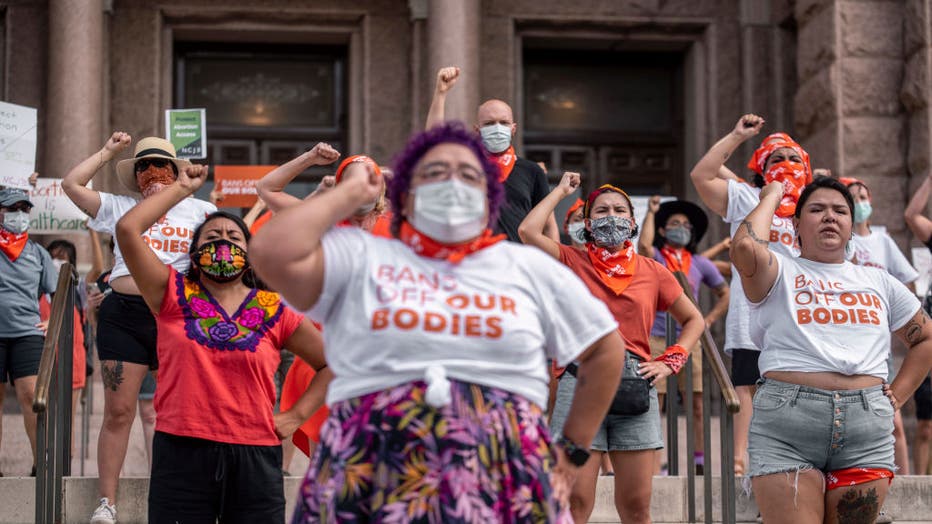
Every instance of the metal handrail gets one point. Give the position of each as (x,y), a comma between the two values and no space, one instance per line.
(52,401)
(49,356)
(714,370)
(710,352)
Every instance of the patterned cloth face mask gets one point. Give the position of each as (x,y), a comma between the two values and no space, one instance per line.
(611,231)
(221,260)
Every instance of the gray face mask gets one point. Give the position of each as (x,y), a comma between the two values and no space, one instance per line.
(679,236)
(611,231)
(16,221)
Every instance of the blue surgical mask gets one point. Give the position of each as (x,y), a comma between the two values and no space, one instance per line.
(16,221)
(678,235)
(496,137)
(611,231)
(862,211)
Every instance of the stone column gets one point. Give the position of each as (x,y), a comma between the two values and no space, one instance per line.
(916,92)
(847,107)
(74,110)
(453,30)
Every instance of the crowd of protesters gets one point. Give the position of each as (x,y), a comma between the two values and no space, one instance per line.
(455,360)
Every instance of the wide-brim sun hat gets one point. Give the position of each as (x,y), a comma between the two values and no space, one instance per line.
(149,147)
(697,218)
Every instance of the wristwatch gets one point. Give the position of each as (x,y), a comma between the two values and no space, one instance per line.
(577,455)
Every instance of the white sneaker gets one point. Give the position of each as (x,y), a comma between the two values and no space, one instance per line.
(105,513)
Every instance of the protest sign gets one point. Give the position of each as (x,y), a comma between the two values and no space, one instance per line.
(53,212)
(237,184)
(17,145)
(186,129)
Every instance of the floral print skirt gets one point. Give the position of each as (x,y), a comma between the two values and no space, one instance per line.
(391,457)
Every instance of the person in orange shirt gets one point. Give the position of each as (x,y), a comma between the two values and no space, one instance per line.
(634,288)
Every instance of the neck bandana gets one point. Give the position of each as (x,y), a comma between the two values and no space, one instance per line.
(12,244)
(425,246)
(615,269)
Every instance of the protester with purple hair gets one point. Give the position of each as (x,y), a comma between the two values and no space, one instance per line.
(438,340)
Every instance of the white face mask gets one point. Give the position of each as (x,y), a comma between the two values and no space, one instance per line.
(16,221)
(450,212)
(365,209)
(58,263)
(496,137)
(575,231)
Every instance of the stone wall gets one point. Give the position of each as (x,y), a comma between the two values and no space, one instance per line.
(848,108)
(916,91)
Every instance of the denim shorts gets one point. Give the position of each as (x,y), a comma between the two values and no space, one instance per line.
(797,428)
(617,432)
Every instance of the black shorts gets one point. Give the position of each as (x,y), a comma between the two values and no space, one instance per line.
(923,398)
(199,481)
(126,330)
(20,357)
(744,370)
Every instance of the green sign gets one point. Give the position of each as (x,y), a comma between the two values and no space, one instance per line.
(187,131)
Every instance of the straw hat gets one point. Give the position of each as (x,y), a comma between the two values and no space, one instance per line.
(149,147)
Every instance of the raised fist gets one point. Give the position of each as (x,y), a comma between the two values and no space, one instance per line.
(748,125)
(118,142)
(446,77)
(653,205)
(323,154)
(192,177)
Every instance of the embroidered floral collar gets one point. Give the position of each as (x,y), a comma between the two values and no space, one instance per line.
(208,324)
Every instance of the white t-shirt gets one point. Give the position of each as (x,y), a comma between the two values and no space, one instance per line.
(494,319)
(829,317)
(879,250)
(169,238)
(742,199)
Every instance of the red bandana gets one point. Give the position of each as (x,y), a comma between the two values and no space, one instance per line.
(12,244)
(616,269)
(425,246)
(677,259)
(506,162)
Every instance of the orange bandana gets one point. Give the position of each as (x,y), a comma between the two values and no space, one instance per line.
(616,269)
(569,212)
(771,144)
(153,179)
(12,244)
(793,176)
(677,259)
(506,162)
(425,246)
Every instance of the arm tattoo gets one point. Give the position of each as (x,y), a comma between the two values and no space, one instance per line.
(914,329)
(111,373)
(753,235)
(100,161)
(857,507)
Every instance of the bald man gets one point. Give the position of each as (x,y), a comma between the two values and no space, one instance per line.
(525,182)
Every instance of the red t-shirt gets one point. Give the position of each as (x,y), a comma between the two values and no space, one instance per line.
(215,371)
(79,357)
(653,288)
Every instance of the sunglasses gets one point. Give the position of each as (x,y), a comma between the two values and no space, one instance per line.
(142,165)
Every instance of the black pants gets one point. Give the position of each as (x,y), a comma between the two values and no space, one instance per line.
(198,481)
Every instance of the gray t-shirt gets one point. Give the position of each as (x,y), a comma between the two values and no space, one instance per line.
(21,283)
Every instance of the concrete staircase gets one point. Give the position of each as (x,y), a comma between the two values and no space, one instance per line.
(910,500)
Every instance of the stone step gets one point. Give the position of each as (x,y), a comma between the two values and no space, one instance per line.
(910,500)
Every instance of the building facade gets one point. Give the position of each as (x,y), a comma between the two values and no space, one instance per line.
(625,91)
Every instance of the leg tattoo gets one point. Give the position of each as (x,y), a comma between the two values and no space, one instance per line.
(112,375)
(857,507)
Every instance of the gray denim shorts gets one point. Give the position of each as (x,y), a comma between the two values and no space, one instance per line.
(797,428)
(617,432)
